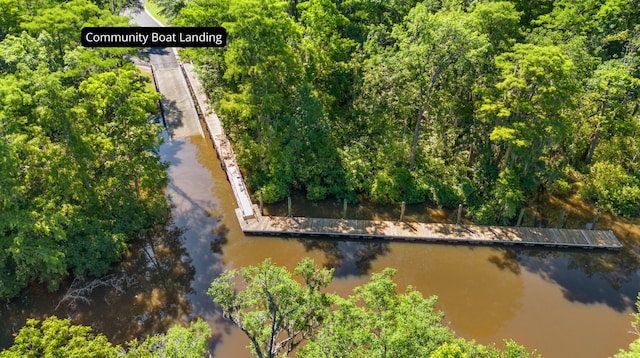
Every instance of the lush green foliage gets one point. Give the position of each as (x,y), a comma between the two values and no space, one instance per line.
(481,102)
(179,341)
(79,171)
(634,347)
(275,311)
(56,337)
(374,322)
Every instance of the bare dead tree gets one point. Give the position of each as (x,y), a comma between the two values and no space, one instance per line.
(81,288)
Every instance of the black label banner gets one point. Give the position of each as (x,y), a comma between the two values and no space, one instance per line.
(154,37)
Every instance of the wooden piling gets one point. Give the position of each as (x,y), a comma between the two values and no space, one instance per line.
(459,214)
(402,208)
(289,205)
(261,202)
(563,212)
(595,220)
(344,208)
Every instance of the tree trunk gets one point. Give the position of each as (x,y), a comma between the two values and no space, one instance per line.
(594,143)
(472,156)
(595,138)
(416,133)
(422,107)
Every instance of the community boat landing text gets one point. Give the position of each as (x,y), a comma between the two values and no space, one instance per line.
(153,37)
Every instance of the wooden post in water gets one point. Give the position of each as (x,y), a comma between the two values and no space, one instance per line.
(261,202)
(289,204)
(459,214)
(344,208)
(595,220)
(563,212)
(520,217)
(404,204)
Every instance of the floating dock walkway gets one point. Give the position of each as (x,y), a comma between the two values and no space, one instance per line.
(252,223)
(428,232)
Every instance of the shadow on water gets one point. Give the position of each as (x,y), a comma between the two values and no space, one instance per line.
(349,258)
(194,210)
(199,212)
(219,238)
(155,290)
(173,115)
(611,278)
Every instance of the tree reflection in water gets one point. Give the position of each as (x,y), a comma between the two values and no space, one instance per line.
(588,277)
(349,258)
(161,272)
(220,234)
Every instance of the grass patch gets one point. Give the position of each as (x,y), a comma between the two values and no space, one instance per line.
(154,9)
(147,73)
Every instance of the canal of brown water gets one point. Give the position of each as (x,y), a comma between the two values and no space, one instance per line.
(559,303)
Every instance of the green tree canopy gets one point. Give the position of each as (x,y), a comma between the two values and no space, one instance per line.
(274,311)
(277,312)
(420,101)
(54,337)
(80,169)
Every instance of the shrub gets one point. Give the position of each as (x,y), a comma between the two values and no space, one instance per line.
(316,192)
(273,192)
(560,187)
(611,187)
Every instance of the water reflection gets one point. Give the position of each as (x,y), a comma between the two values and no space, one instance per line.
(584,277)
(563,303)
(348,258)
(587,277)
(220,239)
(159,273)
(163,271)
(197,211)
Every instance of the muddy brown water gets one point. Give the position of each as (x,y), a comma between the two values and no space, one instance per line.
(559,303)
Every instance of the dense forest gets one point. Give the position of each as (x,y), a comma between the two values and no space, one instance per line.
(79,169)
(486,103)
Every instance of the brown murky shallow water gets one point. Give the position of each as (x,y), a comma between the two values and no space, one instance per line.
(560,303)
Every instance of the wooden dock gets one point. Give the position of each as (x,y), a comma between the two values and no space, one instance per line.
(428,232)
(252,223)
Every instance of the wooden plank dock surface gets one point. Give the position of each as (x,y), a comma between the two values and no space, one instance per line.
(428,232)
